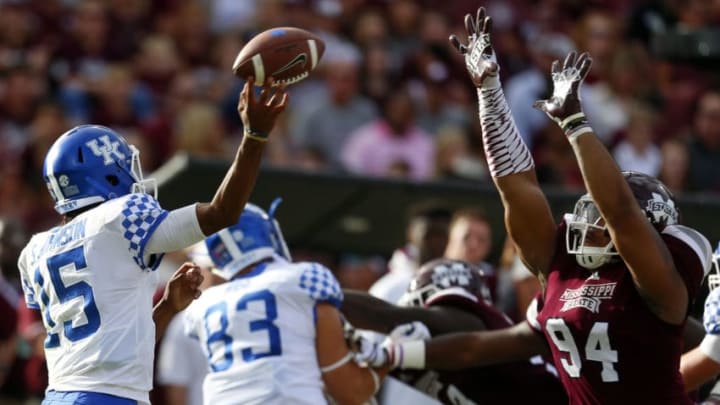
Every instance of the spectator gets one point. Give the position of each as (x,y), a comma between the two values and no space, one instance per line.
(325,126)
(637,152)
(426,235)
(675,163)
(470,241)
(199,132)
(454,158)
(393,141)
(528,85)
(704,145)
(599,33)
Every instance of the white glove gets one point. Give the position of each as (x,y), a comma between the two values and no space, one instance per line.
(415,330)
(480,58)
(369,351)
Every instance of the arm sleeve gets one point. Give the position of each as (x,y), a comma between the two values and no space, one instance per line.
(139,218)
(320,285)
(25,281)
(179,230)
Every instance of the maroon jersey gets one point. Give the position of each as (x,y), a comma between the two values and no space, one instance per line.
(607,345)
(532,381)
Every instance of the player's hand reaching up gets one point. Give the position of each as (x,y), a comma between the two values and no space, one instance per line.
(183,287)
(480,59)
(564,105)
(258,113)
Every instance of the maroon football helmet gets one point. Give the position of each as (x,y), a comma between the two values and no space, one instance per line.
(442,277)
(653,197)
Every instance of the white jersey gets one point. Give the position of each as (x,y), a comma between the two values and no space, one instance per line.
(94,283)
(258,332)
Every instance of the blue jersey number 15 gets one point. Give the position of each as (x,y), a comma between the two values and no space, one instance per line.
(73,259)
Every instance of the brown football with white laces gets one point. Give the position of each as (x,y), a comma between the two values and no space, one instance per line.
(288,54)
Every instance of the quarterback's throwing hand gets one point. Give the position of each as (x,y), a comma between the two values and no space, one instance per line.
(480,59)
(564,105)
(259,113)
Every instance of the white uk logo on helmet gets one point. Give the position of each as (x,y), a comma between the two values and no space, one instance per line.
(106,149)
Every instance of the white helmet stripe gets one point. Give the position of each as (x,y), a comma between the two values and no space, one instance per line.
(54,184)
(230,244)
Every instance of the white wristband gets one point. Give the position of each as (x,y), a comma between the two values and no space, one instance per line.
(344,360)
(376,380)
(410,354)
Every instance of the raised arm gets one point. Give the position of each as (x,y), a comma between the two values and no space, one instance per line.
(258,117)
(637,242)
(367,312)
(527,214)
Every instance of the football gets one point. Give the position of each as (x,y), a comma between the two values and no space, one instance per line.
(288,54)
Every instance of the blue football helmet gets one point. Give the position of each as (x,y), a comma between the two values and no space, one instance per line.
(714,279)
(90,164)
(255,237)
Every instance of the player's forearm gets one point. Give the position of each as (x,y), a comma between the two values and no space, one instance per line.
(527,208)
(696,368)
(464,350)
(603,179)
(235,189)
(364,311)
(163,313)
(357,386)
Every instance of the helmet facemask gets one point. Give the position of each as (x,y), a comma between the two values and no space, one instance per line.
(141,185)
(714,279)
(416,297)
(585,228)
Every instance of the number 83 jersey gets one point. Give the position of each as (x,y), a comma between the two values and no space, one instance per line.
(93,283)
(607,345)
(258,333)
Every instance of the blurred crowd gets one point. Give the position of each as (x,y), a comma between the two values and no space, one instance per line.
(389,99)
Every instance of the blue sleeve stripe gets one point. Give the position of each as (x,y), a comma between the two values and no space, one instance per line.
(337,303)
(144,241)
(32,305)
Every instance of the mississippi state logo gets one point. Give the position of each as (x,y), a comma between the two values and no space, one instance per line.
(662,211)
(589,296)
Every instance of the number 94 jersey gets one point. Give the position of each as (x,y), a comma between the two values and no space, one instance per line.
(607,345)
(258,333)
